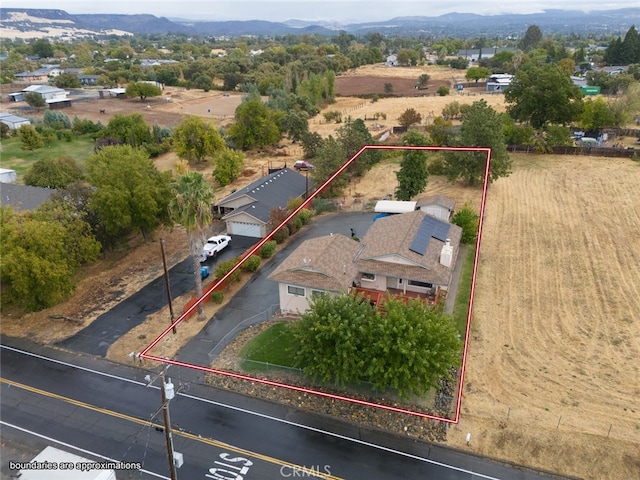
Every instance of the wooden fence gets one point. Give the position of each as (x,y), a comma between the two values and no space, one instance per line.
(586,151)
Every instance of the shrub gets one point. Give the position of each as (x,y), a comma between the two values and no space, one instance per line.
(281,235)
(305,216)
(252,263)
(443,91)
(467,219)
(217,297)
(268,249)
(225,267)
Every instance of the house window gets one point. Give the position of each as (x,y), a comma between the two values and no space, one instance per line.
(368,277)
(317,293)
(297,291)
(417,283)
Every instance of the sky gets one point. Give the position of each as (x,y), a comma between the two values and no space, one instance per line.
(350,11)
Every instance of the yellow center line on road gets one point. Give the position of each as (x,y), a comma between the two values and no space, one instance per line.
(309,472)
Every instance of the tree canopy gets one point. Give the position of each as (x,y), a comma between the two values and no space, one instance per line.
(131,194)
(343,339)
(481,127)
(413,175)
(190,206)
(195,140)
(143,90)
(41,251)
(543,94)
(256,125)
(53,172)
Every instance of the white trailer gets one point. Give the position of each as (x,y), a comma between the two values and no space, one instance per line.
(55,464)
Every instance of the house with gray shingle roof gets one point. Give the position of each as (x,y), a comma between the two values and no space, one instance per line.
(23,197)
(412,255)
(247,211)
(409,253)
(318,266)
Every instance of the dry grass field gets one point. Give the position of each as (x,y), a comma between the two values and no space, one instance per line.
(553,377)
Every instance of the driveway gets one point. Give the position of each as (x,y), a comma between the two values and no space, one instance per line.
(96,338)
(259,297)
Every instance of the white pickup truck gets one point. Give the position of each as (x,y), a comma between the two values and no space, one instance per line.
(214,245)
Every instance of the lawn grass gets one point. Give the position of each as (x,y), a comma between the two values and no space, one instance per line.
(461,305)
(14,158)
(271,346)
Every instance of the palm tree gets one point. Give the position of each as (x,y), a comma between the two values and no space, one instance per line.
(191,208)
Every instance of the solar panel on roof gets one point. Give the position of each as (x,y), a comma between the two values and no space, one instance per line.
(429,227)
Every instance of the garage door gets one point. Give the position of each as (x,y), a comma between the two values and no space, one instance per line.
(245,229)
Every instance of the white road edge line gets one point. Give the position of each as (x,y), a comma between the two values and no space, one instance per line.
(78,449)
(262,415)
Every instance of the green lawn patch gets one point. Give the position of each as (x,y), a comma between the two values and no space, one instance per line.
(14,158)
(461,305)
(268,348)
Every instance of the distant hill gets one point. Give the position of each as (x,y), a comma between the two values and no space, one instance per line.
(43,23)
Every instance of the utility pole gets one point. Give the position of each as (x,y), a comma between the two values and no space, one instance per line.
(166,283)
(167,394)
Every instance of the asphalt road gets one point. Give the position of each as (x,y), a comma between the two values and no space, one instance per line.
(67,400)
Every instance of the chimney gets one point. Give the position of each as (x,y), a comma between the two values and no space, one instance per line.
(446,254)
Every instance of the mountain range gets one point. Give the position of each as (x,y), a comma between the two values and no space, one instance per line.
(44,23)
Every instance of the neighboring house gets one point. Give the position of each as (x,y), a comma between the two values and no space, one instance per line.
(319,265)
(437,205)
(50,94)
(498,82)
(23,197)
(13,121)
(412,255)
(89,80)
(247,210)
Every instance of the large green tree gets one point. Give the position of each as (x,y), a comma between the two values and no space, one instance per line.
(329,157)
(476,73)
(143,90)
(131,194)
(541,95)
(130,129)
(354,135)
(481,127)
(343,339)
(256,125)
(413,175)
(596,114)
(531,38)
(190,206)
(53,172)
(195,140)
(41,251)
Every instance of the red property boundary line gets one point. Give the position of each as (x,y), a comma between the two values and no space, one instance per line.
(220,282)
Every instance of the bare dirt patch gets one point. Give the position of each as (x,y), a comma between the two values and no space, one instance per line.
(369,85)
